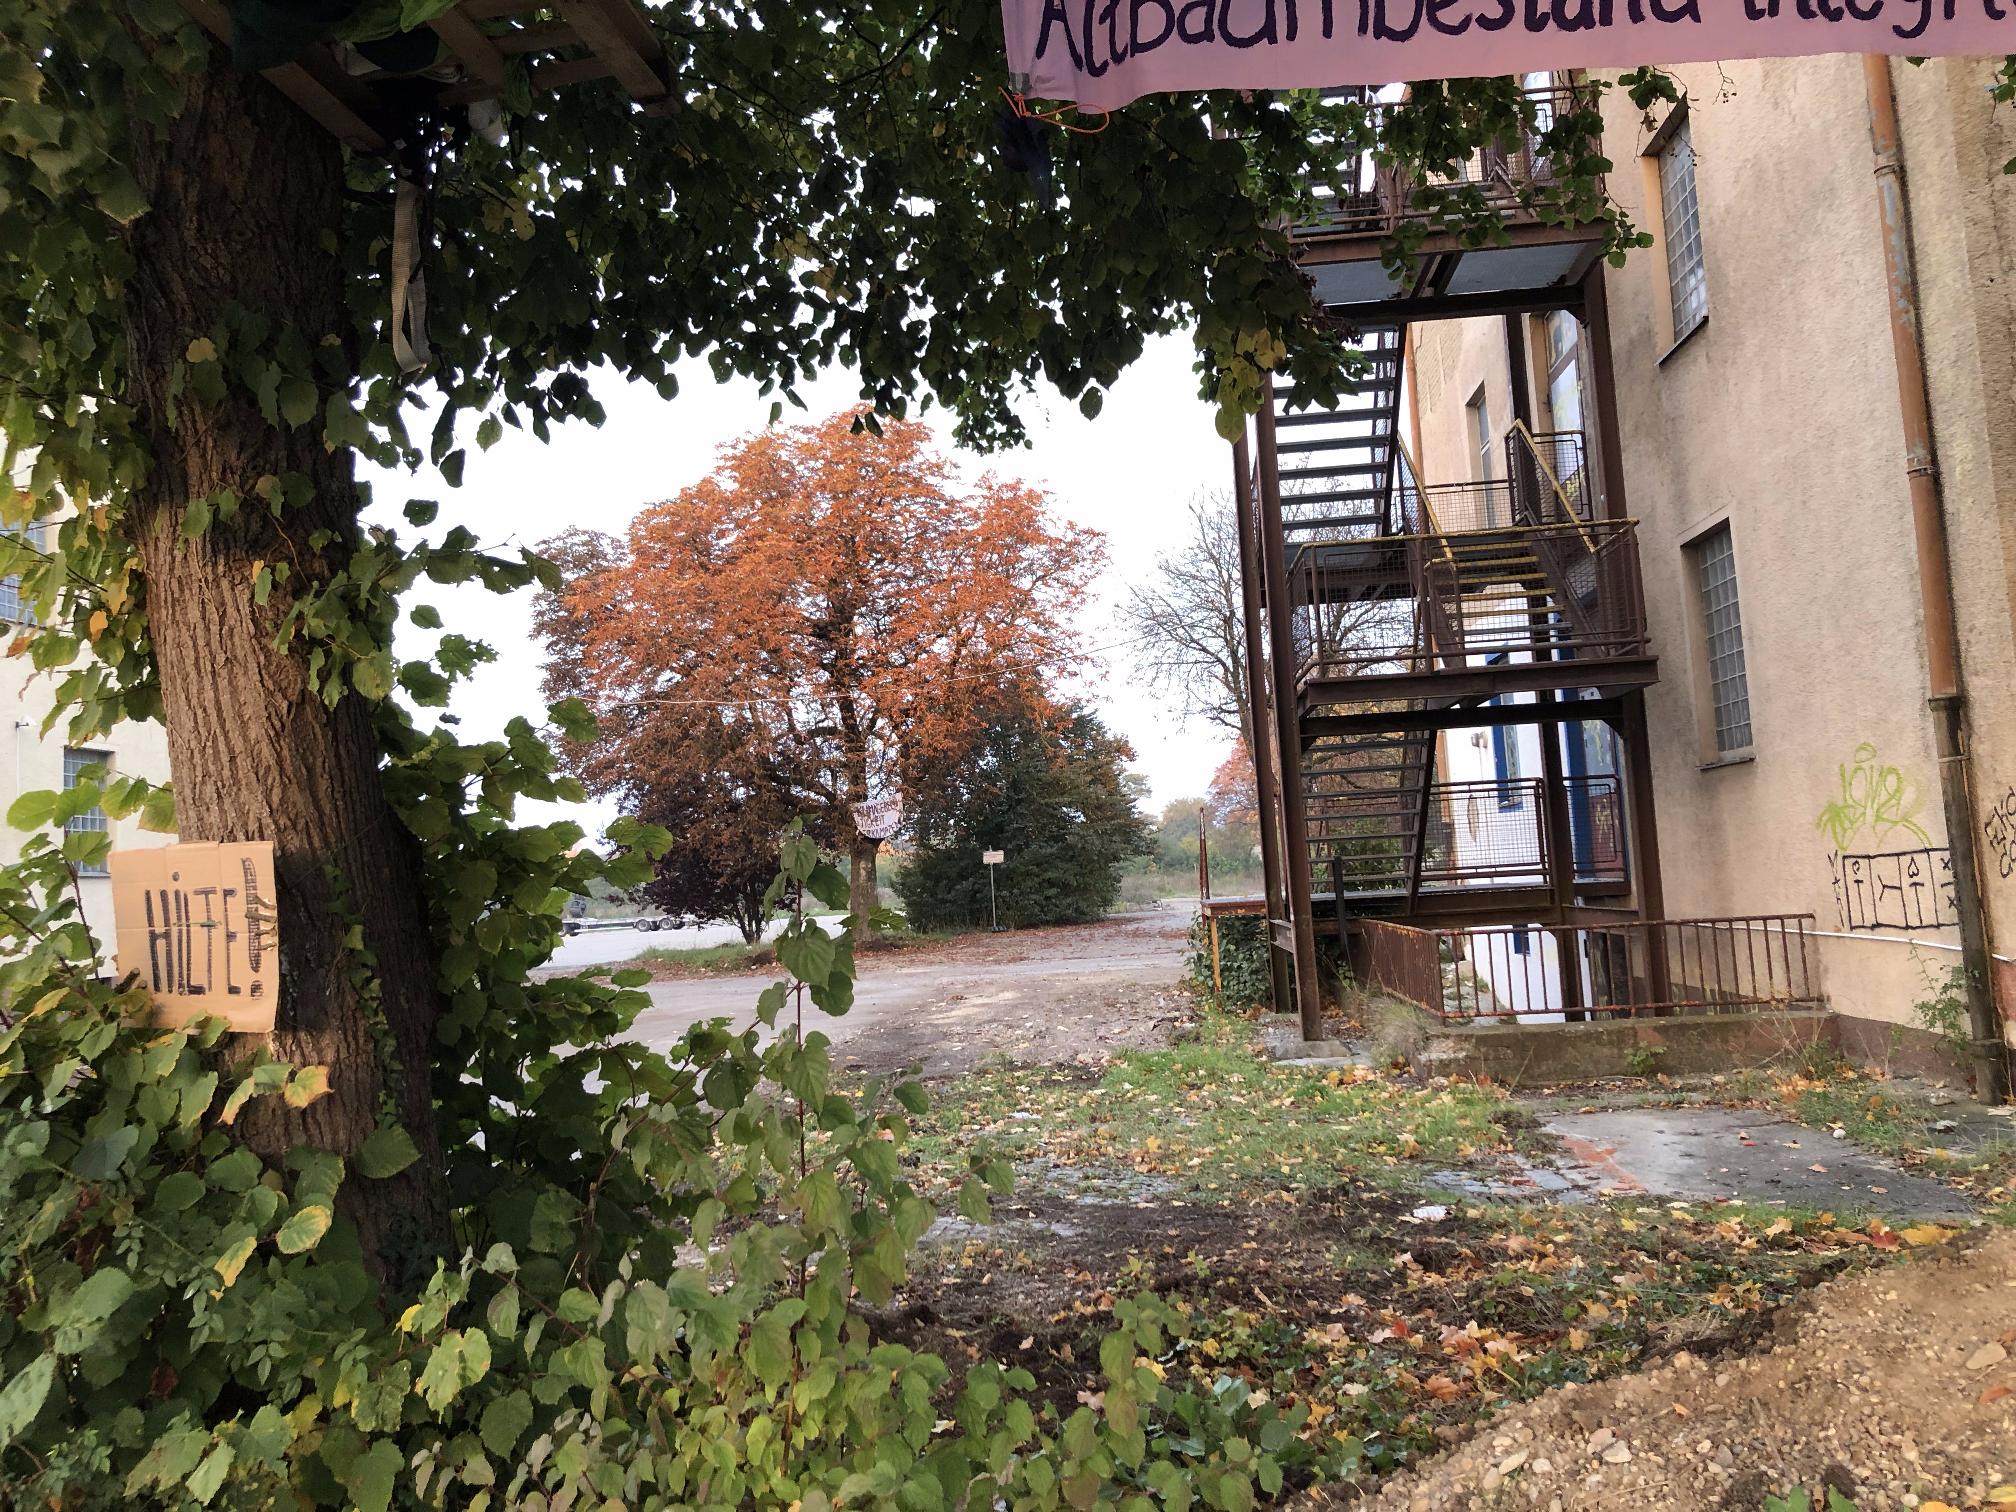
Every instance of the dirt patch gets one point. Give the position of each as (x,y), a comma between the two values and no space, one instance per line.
(1053,1022)
(1896,1388)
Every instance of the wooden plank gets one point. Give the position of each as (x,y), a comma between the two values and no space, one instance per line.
(497,10)
(313,82)
(546,36)
(628,18)
(477,52)
(612,42)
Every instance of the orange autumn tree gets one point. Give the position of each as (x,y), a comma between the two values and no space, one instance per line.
(832,604)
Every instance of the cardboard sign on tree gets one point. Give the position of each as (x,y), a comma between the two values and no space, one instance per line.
(196,924)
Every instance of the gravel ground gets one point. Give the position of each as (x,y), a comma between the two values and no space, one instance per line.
(1896,1387)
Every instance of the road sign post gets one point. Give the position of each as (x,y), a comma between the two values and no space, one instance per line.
(993,859)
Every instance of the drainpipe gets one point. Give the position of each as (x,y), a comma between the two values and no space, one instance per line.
(1945,692)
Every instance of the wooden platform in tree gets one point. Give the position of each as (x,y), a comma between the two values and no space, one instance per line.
(556,42)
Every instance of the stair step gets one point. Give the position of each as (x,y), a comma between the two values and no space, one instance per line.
(1347,470)
(1331,522)
(1333,443)
(1361,416)
(1332,496)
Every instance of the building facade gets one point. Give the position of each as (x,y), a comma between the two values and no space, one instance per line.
(42,758)
(1763,455)
(1616,598)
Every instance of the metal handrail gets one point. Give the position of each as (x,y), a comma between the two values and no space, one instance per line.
(1568,509)
(1390,198)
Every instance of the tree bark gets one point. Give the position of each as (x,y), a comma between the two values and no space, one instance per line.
(246,197)
(863,893)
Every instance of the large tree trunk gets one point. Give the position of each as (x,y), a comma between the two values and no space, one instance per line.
(863,893)
(246,194)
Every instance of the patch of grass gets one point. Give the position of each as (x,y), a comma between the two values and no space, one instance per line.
(1303,1222)
(732,956)
(716,960)
(1901,1127)
(1214,1119)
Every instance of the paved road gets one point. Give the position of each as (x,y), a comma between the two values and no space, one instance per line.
(1044,994)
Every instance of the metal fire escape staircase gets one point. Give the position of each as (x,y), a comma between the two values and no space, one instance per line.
(1429,597)
(1341,470)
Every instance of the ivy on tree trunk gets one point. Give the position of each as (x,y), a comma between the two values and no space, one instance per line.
(247,198)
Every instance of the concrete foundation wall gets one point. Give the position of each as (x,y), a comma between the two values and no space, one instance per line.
(1550,1054)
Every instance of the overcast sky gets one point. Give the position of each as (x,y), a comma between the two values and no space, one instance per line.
(1127,474)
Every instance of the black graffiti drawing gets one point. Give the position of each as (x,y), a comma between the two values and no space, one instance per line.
(2000,829)
(1909,889)
(191,931)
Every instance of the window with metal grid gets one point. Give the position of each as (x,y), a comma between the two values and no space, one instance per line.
(1728,684)
(92,821)
(12,610)
(1685,272)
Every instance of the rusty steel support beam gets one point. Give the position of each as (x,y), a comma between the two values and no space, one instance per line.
(1281,645)
(1945,692)
(1260,743)
(1603,388)
(1648,887)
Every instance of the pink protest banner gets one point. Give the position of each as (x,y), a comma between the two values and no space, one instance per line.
(1103,53)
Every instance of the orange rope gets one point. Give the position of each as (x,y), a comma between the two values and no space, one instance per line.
(1055,117)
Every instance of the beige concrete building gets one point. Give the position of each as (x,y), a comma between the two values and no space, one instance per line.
(1747,415)
(36,760)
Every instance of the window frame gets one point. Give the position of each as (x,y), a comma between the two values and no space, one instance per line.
(1484,445)
(1677,128)
(1702,553)
(18,613)
(94,820)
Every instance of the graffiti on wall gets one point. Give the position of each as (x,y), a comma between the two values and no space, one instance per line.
(1875,797)
(1886,872)
(2000,830)
(1909,889)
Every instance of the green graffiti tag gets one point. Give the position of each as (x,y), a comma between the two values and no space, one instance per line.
(1875,797)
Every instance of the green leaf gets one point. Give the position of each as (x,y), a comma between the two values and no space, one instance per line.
(912,1096)
(450,1368)
(207,1478)
(23,1395)
(371,1476)
(86,1310)
(807,953)
(101,1157)
(973,1204)
(820,1201)
(372,677)
(770,1349)
(157,813)
(421,511)
(298,401)
(573,718)
(554,1217)
(177,1191)
(505,1421)
(387,1151)
(303,1230)
(31,811)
